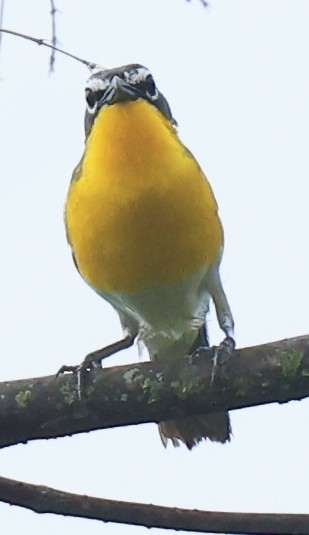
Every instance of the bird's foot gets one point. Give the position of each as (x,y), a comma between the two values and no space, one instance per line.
(215,352)
(94,360)
(227,346)
(81,370)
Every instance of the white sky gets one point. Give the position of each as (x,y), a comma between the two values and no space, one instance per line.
(236,77)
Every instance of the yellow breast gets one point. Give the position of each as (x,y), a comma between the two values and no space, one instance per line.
(140,212)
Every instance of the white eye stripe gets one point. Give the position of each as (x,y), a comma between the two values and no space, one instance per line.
(134,77)
(97,84)
(137,75)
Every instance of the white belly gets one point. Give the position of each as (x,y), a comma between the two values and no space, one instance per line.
(168,317)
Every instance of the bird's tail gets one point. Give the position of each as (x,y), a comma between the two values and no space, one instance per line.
(193,429)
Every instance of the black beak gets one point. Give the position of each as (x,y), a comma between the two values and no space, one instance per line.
(118,91)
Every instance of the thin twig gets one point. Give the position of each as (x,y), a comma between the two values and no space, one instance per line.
(1,16)
(42,42)
(43,499)
(52,58)
(203,2)
(1,19)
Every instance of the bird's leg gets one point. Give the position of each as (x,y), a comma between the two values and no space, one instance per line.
(227,346)
(225,320)
(94,359)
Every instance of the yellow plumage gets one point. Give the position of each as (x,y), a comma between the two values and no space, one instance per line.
(141,212)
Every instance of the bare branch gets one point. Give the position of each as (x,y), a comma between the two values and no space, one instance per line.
(203,2)
(49,407)
(53,11)
(47,500)
(1,20)
(43,42)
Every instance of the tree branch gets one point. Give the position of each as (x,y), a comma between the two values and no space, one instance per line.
(52,58)
(203,2)
(49,407)
(1,20)
(47,500)
(43,42)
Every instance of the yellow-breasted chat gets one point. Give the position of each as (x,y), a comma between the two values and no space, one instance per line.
(143,225)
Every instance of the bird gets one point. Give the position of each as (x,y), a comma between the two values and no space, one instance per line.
(143,226)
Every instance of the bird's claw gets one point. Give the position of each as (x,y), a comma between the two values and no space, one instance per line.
(66,369)
(197,354)
(85,366)
(227,346)
(81,371)
(94,360)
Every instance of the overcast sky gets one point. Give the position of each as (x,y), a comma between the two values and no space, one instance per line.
(236,77)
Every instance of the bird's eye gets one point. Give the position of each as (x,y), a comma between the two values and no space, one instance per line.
(149,87)
(91,99)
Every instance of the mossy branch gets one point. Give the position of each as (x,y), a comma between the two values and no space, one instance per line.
(50,407)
